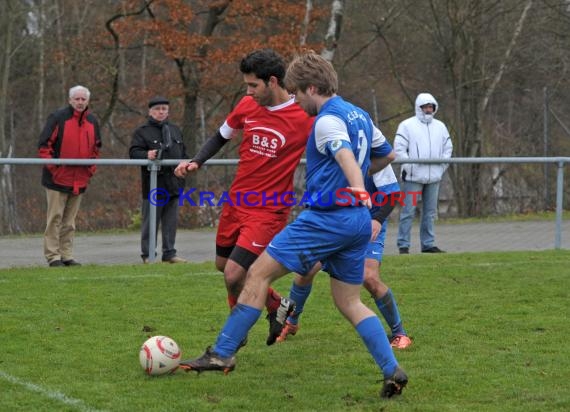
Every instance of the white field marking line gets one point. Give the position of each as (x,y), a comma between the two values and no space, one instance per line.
(467,265)
(149,275)
(121,277)
(58,396)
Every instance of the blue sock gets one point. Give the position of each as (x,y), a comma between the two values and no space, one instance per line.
(374,337)
(238,324)
(389,309)
(299,294)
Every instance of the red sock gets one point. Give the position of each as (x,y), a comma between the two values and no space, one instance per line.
(232,301)
(273,300)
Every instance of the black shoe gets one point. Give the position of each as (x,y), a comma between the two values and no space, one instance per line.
(394,384)
(404,251)
(277,319)
(433,249)
(209,361)
(71,262)
(56,264)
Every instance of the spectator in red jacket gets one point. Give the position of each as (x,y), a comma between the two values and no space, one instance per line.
(71,132)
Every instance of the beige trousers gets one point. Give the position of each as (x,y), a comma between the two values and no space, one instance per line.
(62,209)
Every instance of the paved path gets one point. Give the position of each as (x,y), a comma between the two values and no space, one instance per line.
(198,246)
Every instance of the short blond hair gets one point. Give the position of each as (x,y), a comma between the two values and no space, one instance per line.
(311,69)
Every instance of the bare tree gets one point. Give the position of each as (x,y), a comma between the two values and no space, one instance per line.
(60,43)
(473,82)
(116,61)
(459,51)
(11,13)
(306,21)
(333,31)
(41,61)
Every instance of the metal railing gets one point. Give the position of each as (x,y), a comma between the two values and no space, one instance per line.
(155,165)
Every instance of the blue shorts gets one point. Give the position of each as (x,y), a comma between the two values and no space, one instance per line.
(376,249)
(337,238)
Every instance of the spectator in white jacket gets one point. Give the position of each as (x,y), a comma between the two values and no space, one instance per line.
(421,137)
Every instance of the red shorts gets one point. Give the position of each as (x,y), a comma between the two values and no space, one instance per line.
(249,228)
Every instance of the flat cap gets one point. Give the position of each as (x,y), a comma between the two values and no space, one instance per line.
(157,100)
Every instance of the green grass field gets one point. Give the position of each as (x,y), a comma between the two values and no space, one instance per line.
(490,333)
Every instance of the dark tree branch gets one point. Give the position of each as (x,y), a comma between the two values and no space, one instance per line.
(115,65)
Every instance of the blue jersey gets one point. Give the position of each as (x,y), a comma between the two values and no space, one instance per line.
(338,125)
(328,233)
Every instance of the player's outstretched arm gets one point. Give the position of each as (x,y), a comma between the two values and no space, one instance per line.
(208,149)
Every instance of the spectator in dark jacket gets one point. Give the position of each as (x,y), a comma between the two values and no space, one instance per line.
(70,133)
(159,139)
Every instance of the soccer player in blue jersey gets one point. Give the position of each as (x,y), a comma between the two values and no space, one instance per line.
(335,232)
(384,186)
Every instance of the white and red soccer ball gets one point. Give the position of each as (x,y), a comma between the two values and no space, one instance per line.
(159,355)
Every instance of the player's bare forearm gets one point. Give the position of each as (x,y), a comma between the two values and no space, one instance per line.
(347,162)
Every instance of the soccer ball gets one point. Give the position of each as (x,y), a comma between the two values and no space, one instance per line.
(159,355)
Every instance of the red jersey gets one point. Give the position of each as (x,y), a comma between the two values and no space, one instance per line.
(273,140)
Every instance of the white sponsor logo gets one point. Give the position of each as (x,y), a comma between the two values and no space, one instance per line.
(257,244)
(280,136)
(375,253)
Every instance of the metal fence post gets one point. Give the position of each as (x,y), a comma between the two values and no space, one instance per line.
(559,204)
(154,167)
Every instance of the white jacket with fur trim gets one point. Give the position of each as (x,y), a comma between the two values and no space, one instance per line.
(423,137)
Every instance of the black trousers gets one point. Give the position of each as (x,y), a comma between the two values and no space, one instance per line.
(167,221)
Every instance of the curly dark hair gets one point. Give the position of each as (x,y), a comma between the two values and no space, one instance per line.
(264,63)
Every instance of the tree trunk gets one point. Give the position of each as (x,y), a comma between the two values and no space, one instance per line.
(333,31)
(467,67)
(190,76)
(306,21)
(8,218)
(61,44)
(41,64)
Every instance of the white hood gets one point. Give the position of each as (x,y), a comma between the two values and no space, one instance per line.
(425,98)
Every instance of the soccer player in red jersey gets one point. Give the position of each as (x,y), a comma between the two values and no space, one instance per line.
(274,132)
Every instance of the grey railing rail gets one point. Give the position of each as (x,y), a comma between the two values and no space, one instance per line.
(155,165)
